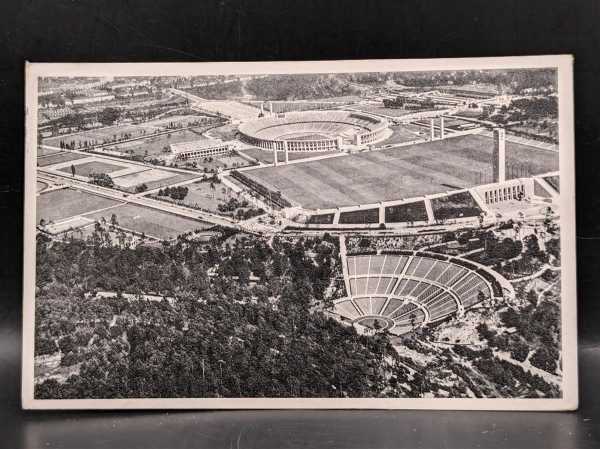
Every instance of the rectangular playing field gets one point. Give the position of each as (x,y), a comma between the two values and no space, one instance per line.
(380,109)
(100,136)
(397,173)
(45,161)
(266,156)
(87,168)
(153,178)
(46,151)
(152,222)
(65,203)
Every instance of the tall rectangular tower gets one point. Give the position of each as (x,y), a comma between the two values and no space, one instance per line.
(499,155)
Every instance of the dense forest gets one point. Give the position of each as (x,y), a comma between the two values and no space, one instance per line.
(221,91)
(300,87)
(510,81)
(243,322)
(316,86)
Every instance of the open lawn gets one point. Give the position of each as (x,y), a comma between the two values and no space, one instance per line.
(225,132)
(153,178)
(393,174)
(152,222)
(266,156)
(42,151)
(58,158)
(379,109)
(234,161)
(402,133)
(87,168)
(201,196)
(457,205)
(65,203)
(100,135)
(155,145)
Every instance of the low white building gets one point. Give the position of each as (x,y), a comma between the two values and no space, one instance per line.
(198,149)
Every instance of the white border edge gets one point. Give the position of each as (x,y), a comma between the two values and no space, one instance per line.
(563,63)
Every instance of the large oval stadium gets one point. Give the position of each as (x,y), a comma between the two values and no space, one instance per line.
(313,130)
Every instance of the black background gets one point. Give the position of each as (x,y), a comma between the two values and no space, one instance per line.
(246,30)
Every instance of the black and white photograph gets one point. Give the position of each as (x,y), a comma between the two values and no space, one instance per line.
(334,234)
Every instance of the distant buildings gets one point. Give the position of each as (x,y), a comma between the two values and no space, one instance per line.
(95,98)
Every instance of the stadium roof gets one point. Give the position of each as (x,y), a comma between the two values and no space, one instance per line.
(194,145)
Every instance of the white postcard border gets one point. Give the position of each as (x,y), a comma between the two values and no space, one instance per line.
(563,63)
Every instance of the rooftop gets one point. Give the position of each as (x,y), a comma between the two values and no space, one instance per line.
(194,145)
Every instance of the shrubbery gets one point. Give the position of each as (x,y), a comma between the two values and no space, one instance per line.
(101,179)
(176,193)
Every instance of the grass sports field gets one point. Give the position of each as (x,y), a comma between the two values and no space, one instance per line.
(398,173)
(44,151)
(379,109)
(152,222)
(404,133)
(99,136)
(153,178)
(111,133)
(52,159)
(266,156)
(65,203)
(87,168)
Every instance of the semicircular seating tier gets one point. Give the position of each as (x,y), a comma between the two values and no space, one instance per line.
(401,292)
(326,123)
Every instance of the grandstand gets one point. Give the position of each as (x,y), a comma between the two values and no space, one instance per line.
(313,131)
(402,291)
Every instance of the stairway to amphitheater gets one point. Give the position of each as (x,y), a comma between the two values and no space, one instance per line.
(404,290)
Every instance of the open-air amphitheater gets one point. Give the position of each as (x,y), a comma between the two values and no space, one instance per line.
(401,291)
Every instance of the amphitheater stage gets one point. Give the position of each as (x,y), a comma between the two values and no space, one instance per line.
(396,173)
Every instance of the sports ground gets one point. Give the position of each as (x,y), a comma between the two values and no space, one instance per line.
(46,151)
(58,158)
(378,109)
(404,133)
(152,222)
(397,173)
(87,168)
(153,178)
(64,203)
(98,136)
(266,156)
